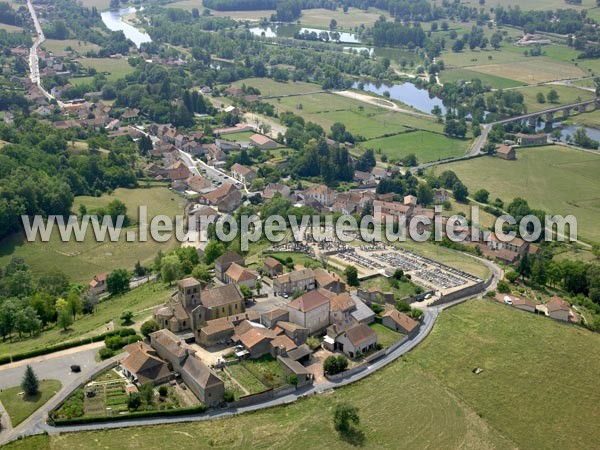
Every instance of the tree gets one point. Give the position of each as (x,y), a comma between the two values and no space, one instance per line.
(246,292)
(460,191)
(74,304)
(148,327)
(30,383)
(117,281)
(202,273)
(503,287)
(553,96)
(345,416)
(213,250)
(126,318)
(540,97)
(351,275)
(335,364)
(147,393)
(424,194)
(170,268)
(134,401)
(538,272)
(481,196)
(511,276)
(64,319)
(524,267)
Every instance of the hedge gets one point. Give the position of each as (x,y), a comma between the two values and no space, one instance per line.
(134,415)
(64,346)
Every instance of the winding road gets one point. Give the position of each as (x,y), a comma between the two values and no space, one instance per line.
(36,423)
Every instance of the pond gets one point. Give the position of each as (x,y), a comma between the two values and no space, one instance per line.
(407,93)
(289,31)
(113,21)
(569,129)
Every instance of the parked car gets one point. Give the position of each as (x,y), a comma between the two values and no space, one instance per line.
(75,368)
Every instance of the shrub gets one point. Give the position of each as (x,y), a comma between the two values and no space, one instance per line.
(150,326)
(490,294)
(105,353)
(313,343)
(503,287)
(293,379)
(228,396)
(113,342)
(402,306)
(134,401)
(377,308)
(163,391)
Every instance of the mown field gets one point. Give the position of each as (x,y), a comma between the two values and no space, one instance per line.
(537,390)
(566,96)
(140,301)
(82,260)
(20,407)
(448,76)
(427,146)
(113,68)
(556,179)
(269,87)
(60,46)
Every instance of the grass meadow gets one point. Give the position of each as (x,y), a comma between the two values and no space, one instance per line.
(115,68)
(556,179)
(82,260)
(537,390)
(19,407)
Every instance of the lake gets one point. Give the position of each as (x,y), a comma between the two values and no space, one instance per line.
(112,20)
(289,31)
(570,129)
(407,93)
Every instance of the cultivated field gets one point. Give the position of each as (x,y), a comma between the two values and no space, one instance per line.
(269,87)
(556,179)
(10,28)
(113,68)
(427,146)
(448,76)
(81,260)
(321,18)
(536,371)
(238,15)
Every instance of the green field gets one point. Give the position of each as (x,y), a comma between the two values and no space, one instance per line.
(239,137)
(591,119)
(536,371)
(56,46)
(115,68)
(19,407)
(566,96)
(321,18)
(427,146)
(82,260)
(245,378)
(449,76)
(404,290)
(10,28)
(556,179)
(360,118)
(140,301)
(269,87)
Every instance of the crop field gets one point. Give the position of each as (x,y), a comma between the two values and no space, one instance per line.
(566,96)
(81,260)
(10,28)
(360,118)
(529,71)
(427,146)
(140,301)
(114,68)
(535,371)
(237,15)
(555,179)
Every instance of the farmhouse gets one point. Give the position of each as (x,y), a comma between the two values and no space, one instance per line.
(226,198)
(241,276)
(340,307)
(142,364)
(321,193)
(263,142)
(531,139)
(272,267)
(243,173)
(397,321)
(329,280)
(223,262)
(270,318)
(298,280)
(202,381)
(276,188)
(558,309)
(310,310)
(219,331)
(98,284)
(506,152)
(350,337)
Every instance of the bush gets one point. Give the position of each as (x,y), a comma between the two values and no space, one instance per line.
(113,342)
(503,287)
(134,401)
(105,353)
(377,308)
(313,343)
(148,327)
(134,415)
(293,379)
(402,306)
(228,396)
(335,364)
(490,294)
(163,391)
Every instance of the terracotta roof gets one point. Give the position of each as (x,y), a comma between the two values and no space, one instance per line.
(222,295)
(283,341)
(188,282)
(260,139)
(143,363)
(296,275)
(557,304)
(359,333)
(256,335)
(200,372)
(289,326)
(242,170)
(272,262)
(524,302)
(309,301)
(170,342)
(325,278)
(341,302)
(218,194)
(228,258)
(240,274)
(401,319)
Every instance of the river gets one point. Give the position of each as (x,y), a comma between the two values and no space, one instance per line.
(569,129)
(407,93)
(113,21)
(289,31)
